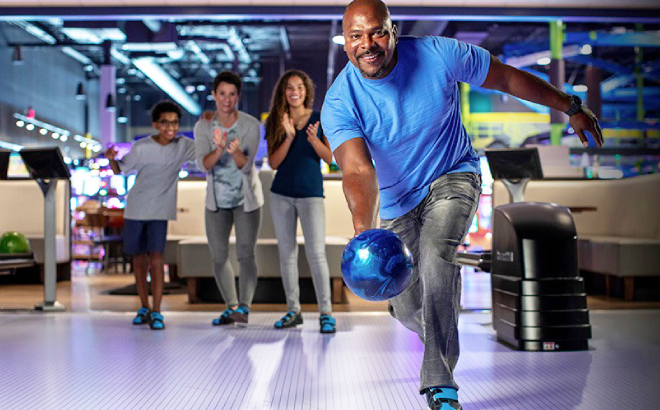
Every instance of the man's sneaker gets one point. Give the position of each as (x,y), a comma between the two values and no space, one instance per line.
(156,321)
(291,319)
(442,398)
(328,324)
(240,315)
(142,317)
(224,318)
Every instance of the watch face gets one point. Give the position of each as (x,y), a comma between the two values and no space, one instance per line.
(576,105)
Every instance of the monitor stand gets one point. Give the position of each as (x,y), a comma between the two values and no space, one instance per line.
(516,188)
(515,168)
(50,303)
(47,166)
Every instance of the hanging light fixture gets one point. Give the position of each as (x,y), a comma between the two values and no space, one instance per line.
(110,103)
(17,56)
(80,92)
(121,117)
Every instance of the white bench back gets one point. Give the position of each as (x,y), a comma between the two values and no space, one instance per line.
(22,207)
(624,208)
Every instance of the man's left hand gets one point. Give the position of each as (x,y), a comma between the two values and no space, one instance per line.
(585,120)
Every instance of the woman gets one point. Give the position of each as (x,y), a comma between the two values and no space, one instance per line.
(295,146)
(225,147)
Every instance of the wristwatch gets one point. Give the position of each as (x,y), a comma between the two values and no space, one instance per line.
(576,105)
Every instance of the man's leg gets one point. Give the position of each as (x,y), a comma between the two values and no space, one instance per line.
(135,245)
(157,279)
(140,268)
(446,215)
(156,235)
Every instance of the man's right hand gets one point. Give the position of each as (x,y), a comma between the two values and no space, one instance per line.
(111,153)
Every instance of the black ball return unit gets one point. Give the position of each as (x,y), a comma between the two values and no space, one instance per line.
(538,299)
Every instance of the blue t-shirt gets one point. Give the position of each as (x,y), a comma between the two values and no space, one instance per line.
(410,119)
(299,174)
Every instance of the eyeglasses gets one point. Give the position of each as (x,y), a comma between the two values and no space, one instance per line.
(166,123)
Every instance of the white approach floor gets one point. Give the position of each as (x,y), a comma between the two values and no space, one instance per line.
(98,360)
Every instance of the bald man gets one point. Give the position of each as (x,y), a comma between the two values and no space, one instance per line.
(397,102)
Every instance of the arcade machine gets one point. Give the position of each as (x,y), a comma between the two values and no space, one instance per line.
(539,302)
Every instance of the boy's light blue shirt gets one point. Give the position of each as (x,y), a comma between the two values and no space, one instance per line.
(410,119)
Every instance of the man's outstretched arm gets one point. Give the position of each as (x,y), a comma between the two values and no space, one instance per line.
(510,80)
(359,183)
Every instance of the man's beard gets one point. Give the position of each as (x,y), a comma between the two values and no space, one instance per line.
(377,74)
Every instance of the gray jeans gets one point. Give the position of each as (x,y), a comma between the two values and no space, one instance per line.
(429,306)
(218,228)
(311,211)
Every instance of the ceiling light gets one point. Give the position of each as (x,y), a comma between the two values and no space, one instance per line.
(166,83)
(110,103)
(339,39)
(190,89)
(94,35)
(63,138)
(176,54)
(83,145)
(55,135)
(580,88)
(543,61)
(80,57)
(36,31)
(80,92)
(43,131)
(29,127)
(201,87)
(120,57)
(122,118)
(17,56)
(149,47)
(586,49)
(20,123)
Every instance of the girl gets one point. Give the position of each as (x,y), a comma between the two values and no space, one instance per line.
(295,146)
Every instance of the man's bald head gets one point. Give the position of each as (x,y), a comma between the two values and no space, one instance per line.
(376,7)
(370,38)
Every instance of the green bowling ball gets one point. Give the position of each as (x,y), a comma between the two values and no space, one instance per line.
(14,242)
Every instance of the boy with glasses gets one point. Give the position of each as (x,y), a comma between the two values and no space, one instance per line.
(151,202)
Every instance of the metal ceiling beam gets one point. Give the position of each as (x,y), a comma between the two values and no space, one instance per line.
(612,67)
(616,81)
(531,59)
(166,83)
(627,39)
(286,46)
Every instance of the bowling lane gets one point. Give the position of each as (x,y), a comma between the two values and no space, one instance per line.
(99,361)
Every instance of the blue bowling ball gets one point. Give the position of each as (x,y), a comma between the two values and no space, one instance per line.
(376,265)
